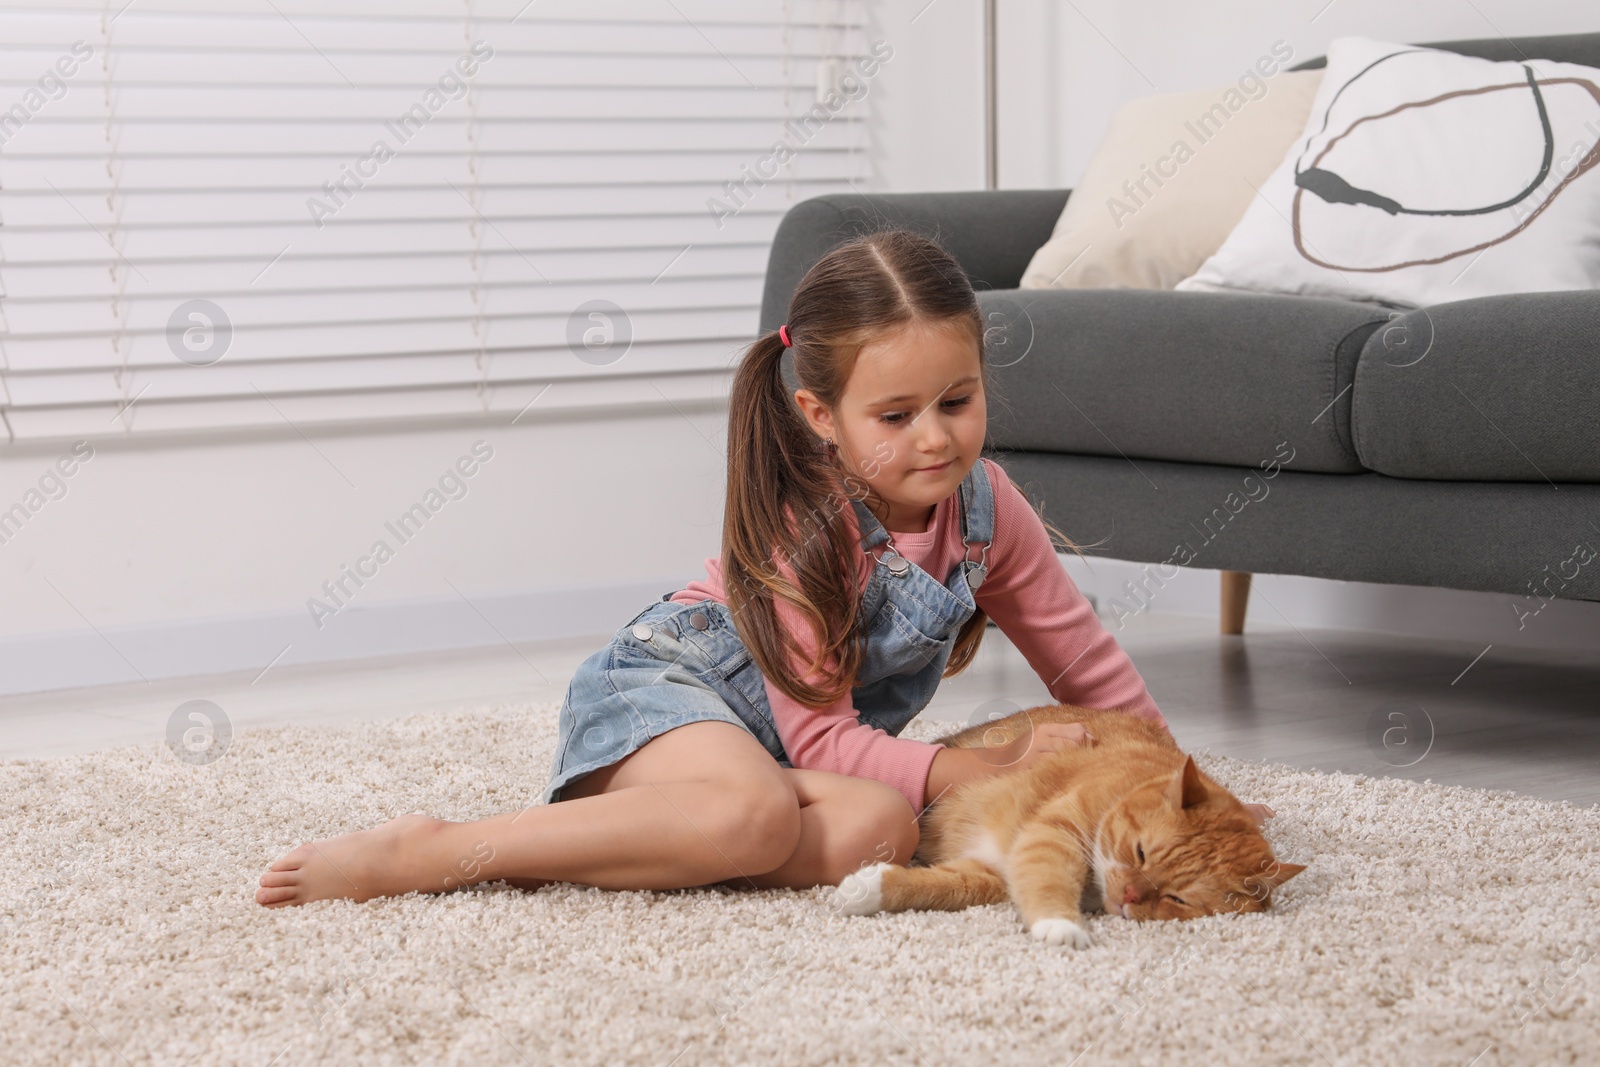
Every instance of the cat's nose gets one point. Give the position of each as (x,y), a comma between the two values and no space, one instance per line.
(1131,894)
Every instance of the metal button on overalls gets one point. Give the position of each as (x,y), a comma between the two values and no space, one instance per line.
(643,632)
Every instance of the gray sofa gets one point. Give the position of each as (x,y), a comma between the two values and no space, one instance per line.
(1456,446)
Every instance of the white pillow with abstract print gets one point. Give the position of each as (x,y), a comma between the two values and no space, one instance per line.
(1425,176)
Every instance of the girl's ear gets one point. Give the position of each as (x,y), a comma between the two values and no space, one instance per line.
(817,414)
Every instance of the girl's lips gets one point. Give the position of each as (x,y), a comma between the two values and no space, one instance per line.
(934,470)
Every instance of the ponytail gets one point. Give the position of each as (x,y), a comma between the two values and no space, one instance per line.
(784,502)
(788,501)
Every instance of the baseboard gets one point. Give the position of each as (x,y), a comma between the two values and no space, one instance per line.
(1122,589)
(65,660)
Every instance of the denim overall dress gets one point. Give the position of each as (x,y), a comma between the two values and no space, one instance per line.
(674,663)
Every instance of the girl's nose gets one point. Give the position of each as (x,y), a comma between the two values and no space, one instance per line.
(934,437)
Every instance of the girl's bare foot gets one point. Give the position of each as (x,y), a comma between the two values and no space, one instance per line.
(401,855)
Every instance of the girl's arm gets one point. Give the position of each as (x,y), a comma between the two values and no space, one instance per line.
(1037,605)
(835,739)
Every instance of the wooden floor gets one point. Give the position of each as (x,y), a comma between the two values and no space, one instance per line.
(1368,703)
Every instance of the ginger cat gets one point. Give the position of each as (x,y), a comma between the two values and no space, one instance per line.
(1128,824)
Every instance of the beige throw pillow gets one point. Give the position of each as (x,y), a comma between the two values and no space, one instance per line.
(1169,183)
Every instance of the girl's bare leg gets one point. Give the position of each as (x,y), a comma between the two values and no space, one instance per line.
(846,823)
(698,804)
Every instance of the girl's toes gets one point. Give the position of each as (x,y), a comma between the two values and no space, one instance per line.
(276,896)
(292,860)
(398,857)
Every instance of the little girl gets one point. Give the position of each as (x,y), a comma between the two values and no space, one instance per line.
(744,729)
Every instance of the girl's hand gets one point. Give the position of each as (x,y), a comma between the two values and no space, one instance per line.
(1042,741)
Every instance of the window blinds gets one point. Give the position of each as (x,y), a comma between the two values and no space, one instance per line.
(218,214)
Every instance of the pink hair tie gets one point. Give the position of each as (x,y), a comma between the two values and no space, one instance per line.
(783,335)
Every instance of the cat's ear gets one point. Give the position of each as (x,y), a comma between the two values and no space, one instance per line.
(1259,886)
(1282,872)
(1187,790)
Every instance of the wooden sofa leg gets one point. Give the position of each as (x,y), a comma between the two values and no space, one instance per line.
(1235,598)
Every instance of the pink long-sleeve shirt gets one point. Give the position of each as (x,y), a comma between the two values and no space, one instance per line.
(1026,592)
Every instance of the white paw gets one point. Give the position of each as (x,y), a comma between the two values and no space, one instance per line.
(861,893)
(1060,932)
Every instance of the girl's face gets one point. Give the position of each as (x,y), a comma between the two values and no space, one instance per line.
(912,418)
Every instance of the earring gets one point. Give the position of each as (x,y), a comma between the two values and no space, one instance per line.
(828,447)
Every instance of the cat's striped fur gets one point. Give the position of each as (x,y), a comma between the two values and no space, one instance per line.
(1128,825)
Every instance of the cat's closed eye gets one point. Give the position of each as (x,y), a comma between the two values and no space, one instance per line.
(1139,848)
(1175,899)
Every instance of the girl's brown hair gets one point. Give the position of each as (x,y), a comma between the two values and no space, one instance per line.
(786,497)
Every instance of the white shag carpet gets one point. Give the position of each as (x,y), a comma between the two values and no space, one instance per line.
(1434,926)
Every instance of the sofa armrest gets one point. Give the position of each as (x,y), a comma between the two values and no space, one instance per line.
(1493,389)
(993,234)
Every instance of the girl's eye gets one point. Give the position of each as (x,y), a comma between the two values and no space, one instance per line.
(894,418)
(1139,849)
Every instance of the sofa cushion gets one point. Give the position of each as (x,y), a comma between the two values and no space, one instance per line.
(1158,196)
(1503,388)
(1194,377)
(1423,177)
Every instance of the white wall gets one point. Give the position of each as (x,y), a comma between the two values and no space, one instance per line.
(927,103)
(1065,68)
(167,558)
(177,556)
